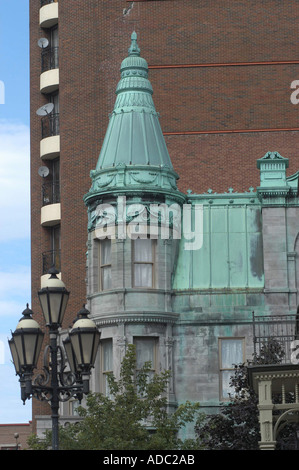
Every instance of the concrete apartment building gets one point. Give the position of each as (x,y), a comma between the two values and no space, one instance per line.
(226,141)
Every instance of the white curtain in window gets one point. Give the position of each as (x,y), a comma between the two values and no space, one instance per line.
(106,251)
(145,351)
(231,353)
(107,355)
(143,258)
(106,263)
(143,275)
(107,352)
(143,250)
(106,278)
(226,379)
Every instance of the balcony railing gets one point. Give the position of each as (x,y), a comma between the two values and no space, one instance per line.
(45,2)
(50,125)
(50,58)
(51,258)
(50,193)
(282,329)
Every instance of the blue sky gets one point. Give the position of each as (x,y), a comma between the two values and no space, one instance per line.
(14,195)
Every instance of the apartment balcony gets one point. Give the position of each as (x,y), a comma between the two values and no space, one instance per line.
(50,58)
(50,125)
(50,139)
(50,147)
(51,215)
(279,330)
(48,14)
(50,193)
(49,81)
(49,78)
(274,374)
(49,259)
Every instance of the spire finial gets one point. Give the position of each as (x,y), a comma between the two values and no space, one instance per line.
(134,49)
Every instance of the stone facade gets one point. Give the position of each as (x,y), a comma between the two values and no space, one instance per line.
(198,307)
(220,72)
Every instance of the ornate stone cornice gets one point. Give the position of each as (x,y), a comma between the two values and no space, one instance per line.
(140,317)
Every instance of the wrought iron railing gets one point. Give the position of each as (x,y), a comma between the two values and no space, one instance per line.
(50,125)
(49,259)
(50,58)
(50,193)
(281,329)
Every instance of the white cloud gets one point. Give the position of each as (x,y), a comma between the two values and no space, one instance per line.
(15,293)
(15,280)
(14,181)
(12,409)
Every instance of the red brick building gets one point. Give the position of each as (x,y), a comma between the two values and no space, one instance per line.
(221,73)
(15,436)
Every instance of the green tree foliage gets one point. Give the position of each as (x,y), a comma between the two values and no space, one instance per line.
(236,427)
(134,417)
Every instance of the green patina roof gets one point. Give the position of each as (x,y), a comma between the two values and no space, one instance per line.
(225,249)
(134,134)
(134,153)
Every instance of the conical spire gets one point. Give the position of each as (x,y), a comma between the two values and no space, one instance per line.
(134,139)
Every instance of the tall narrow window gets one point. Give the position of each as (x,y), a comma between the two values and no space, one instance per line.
(105,264)
(73,407)
(143,262)
(54,98)
(56,246)
(52,257)
(50,123)
(51,187)
(146,351)
(54,47)
(106,364)
(54,116)
(231,353)
(55,173)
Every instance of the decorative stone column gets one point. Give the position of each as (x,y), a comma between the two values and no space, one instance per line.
(265,407)
(279,381)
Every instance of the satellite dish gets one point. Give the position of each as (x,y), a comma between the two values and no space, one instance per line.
(46,109)
(43,42)
(43,171)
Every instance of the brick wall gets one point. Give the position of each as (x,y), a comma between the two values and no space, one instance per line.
(216,68)
(8,441)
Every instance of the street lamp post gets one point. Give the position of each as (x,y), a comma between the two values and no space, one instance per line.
(54,384)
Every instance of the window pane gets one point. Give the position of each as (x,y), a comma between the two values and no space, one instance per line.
(107,355)
(106,251)
(55,238)
(143,275)
(74,405)
(143,250)
(226,378)
(54,37)
(105,263)
(145,351)
(106,277)
(231,353)
(55,101)
(107,364)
